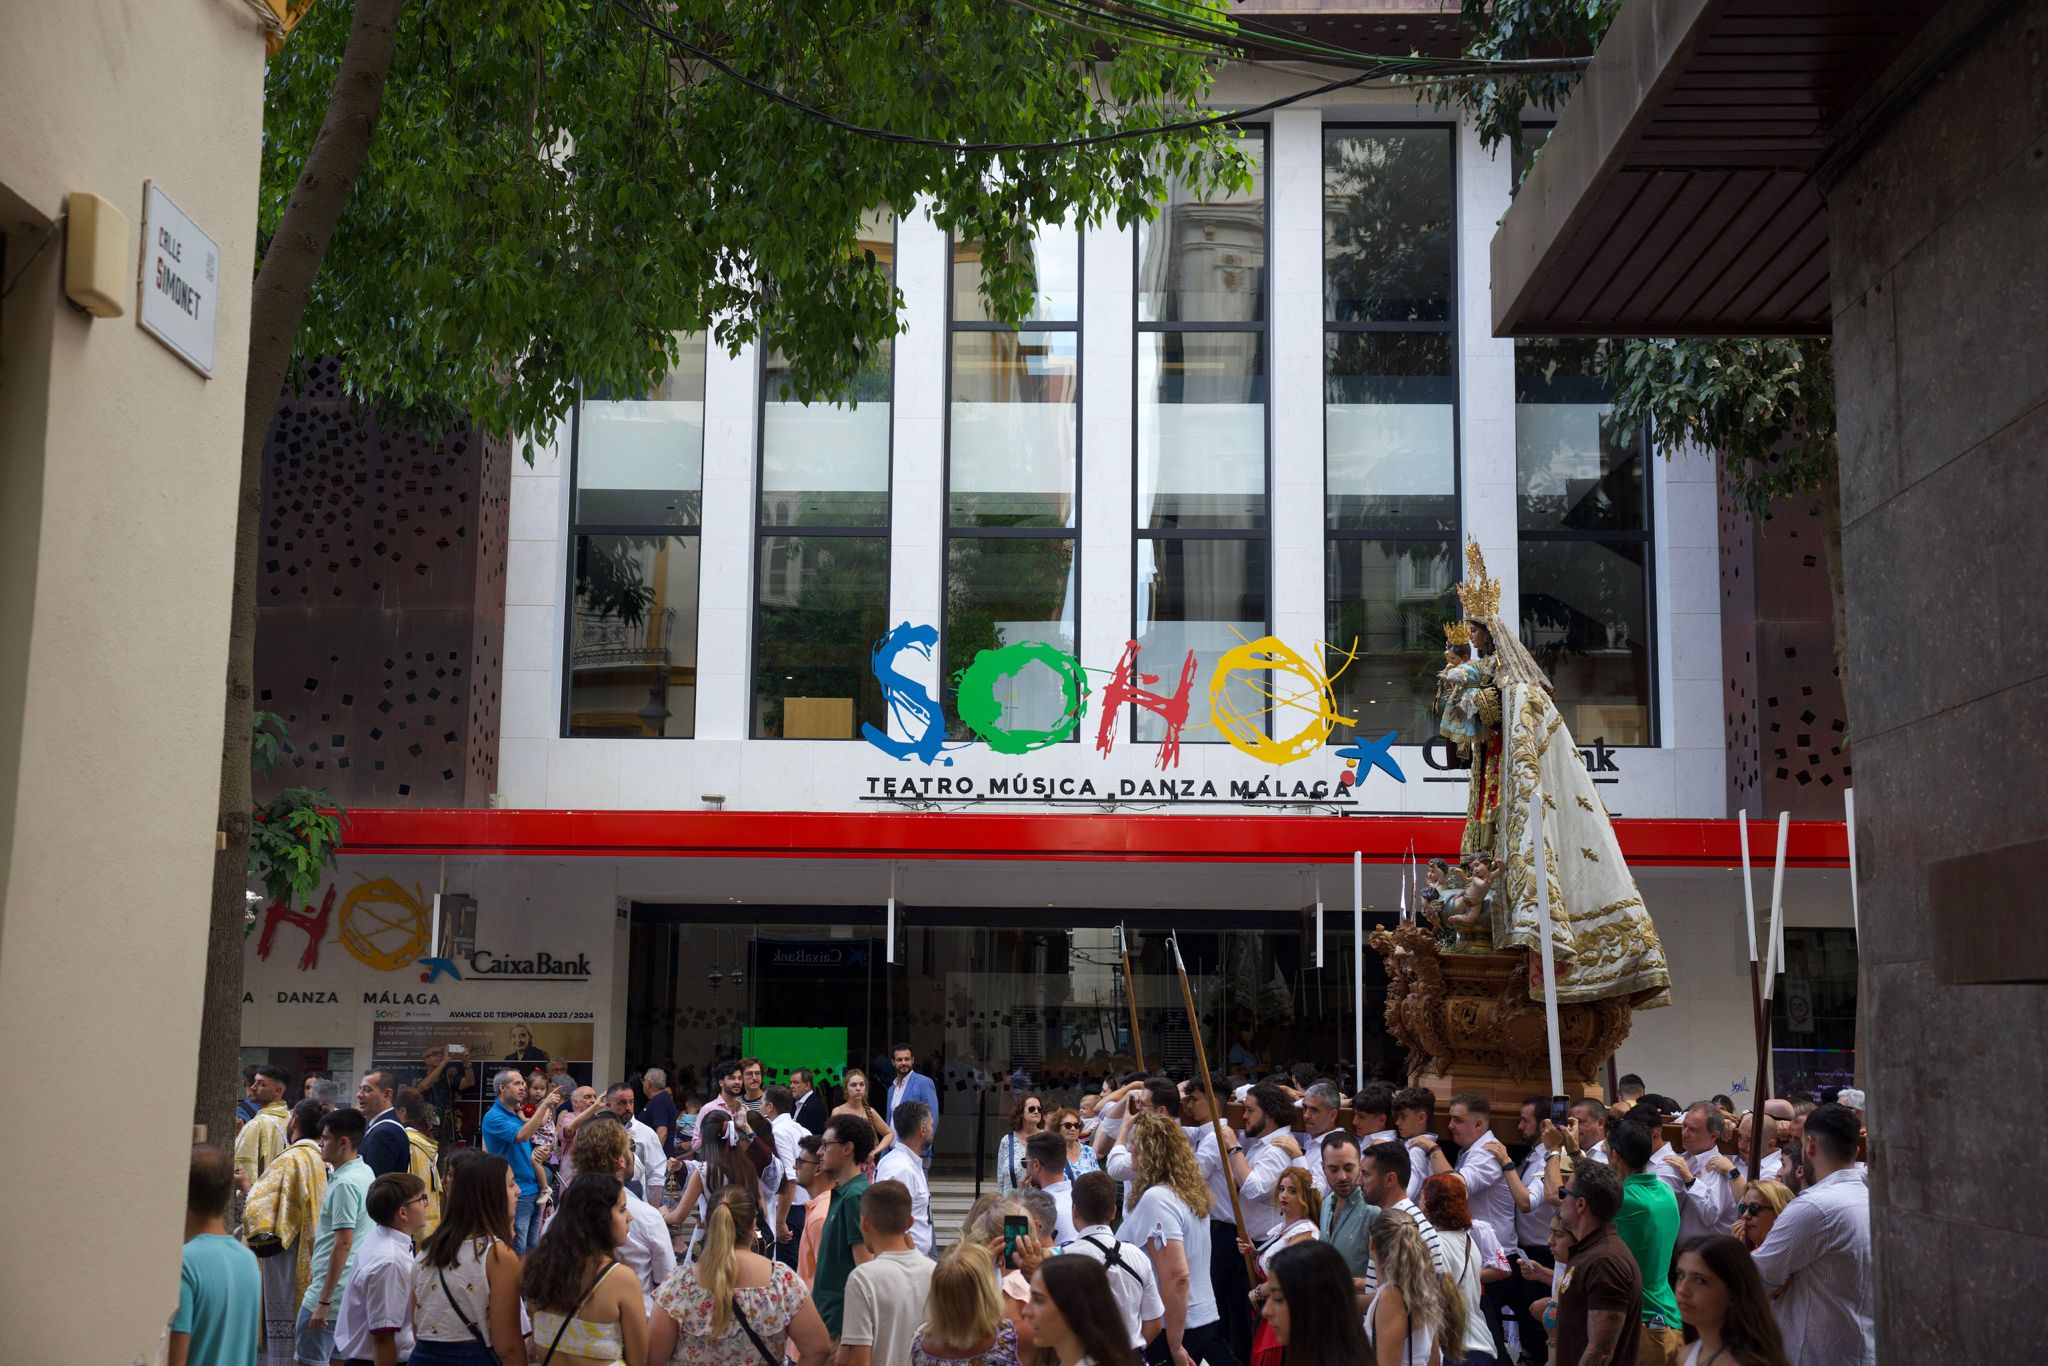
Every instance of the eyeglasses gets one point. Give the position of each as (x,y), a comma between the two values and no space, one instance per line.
(831,1143)
(1569,1193)
(419,1199)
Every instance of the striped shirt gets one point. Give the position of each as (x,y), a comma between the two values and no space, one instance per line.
(1429,1237)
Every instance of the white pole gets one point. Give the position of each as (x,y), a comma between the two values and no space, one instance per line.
(1849,821)
(889,930)
(1549,950)
(1774,950)
(1319,931)
(434,929)
(1358,961)
(1748,891)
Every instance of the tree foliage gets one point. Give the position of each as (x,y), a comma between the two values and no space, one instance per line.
(294,835)
(552,195)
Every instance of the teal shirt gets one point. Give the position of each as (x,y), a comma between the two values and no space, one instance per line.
(1648,1225)
(1343,1227)
(220,1302)
(341,1208)
(835,1252)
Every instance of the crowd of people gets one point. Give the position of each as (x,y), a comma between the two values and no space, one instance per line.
(766,1226)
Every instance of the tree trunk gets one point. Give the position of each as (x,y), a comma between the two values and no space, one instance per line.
(278,302)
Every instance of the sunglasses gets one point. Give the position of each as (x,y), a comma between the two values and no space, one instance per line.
(1751,1210)
(1070,1124)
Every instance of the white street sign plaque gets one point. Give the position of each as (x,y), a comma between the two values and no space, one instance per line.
(180,282)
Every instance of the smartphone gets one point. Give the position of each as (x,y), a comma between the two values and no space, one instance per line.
(1015,1227)
(458,1050)
(1560,1110)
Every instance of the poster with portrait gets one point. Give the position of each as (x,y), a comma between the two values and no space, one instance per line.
(479,1044)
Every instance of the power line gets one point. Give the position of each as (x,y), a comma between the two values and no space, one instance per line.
(1382,67)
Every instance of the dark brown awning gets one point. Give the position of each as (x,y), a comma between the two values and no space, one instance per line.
(1677,195)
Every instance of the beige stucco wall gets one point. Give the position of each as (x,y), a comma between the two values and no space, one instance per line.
(117,505)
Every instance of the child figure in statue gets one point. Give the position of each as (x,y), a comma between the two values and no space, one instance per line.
(1457,698)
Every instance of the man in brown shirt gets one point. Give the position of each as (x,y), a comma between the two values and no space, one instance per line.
(1600,1291)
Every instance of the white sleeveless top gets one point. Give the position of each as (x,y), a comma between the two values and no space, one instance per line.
(1421,1337)
(433,1318)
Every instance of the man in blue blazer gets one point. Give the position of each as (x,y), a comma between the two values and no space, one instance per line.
(911,1085)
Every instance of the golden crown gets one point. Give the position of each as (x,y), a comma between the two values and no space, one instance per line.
(1457,633)
(1480,592)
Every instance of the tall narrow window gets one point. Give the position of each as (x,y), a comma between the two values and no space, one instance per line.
(1583,507)
(821,577)
(633,547)
(1012,461)
(1201,522)
(1390,420)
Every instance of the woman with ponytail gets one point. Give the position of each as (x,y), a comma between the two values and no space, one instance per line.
(732,1306)
(1416,1308)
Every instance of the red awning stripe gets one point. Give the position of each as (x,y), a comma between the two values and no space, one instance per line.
(1084,838)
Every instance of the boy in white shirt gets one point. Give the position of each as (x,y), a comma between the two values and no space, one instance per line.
(885,1295)
(374,1322)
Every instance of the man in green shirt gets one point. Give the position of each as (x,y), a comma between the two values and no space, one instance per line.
(842,1151)
(344,1218)
(1648,1224)
(1346,1212)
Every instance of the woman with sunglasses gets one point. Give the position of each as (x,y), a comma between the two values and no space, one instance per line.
(1758,1209)
(1027,1117)
(1080,1156)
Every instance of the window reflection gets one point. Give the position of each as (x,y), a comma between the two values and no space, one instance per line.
(1056,267)
(640,460)
(1585,618)
(822,603)
(1388,601)
(1571,469)
(1387,225)
(1202,429)
(1389,431)
(1208,596)
(1012,438)
(1007,591)
(633,637)
(1204,260)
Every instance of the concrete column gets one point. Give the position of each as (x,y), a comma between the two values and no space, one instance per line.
(916,506)
(1295,363)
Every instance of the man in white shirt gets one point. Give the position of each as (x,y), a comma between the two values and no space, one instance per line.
(649,1250)
(1818,1253)
(1491,1201)
(904,1161)
(1706,1202)
(784,1129)
(1045,1166)
(1259,1162)
(650,1164)
(1132,1281)
(1655,1111)
(1229,1281)
(1320,1106)
(1414,1106)
(376,1306)
(1532,1225)
(1591,1117)
(1383,1177)
(886,1294)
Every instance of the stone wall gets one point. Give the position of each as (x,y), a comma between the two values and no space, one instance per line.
(1940,265)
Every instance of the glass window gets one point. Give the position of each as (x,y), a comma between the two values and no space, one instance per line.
(1012,437)
(1387,225)
(1388,602)
(1012,462)
(1390,421)
(1390,418)
(821,604)
(821,599)
(637,473)
(1582,504)
(1209,596)
(1813,1035)
(1202,429)
(633,637)
(1056,265)
(1204,260)
(1571,471)
(1010,590)
(640,461)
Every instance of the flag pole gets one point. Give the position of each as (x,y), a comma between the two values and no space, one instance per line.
(1123,948)
(1187,997)
(1548,950)
(1358,962)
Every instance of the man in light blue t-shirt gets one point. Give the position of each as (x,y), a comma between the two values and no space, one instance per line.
(220,1295)
(510,1136)
(342,1223)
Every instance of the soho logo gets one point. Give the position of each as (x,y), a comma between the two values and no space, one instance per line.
(1265,668)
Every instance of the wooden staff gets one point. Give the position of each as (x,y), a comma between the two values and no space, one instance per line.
(1123,948)
(1251,1265)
